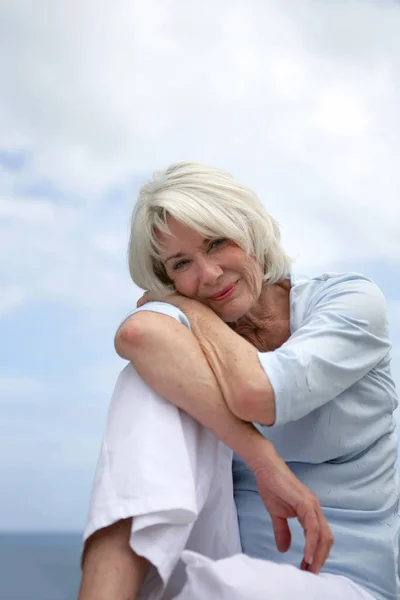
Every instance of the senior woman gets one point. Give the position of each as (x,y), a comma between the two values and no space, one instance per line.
(229,351)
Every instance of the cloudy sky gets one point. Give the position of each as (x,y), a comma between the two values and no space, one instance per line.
(298,98)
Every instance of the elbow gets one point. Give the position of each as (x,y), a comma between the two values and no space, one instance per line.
(128,336)
(254,405)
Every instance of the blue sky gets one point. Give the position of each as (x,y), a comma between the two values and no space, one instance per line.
(298,99)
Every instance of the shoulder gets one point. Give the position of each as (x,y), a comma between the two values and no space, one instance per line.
(350,295)
(337,286)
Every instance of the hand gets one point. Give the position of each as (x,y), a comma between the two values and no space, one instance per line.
(285,497)
(148,297)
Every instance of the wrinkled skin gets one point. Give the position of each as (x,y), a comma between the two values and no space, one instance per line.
(265,328)
(259,313)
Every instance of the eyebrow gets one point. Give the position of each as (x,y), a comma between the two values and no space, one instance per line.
(206,241)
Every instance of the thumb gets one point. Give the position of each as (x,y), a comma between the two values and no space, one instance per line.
(282,534)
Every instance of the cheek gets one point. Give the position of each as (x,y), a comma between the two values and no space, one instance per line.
(185,284)
(253,275)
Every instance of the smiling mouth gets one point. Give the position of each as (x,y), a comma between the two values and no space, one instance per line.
(223,294)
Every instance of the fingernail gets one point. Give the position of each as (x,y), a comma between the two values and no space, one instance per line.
(304,565)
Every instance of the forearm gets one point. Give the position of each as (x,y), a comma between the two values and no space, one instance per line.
(169,358)
(234,362)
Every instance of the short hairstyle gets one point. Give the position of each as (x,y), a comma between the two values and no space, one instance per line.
(214,204)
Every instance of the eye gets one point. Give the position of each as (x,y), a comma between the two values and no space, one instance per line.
(181,264)
(217,243)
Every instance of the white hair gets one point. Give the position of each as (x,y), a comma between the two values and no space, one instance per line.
(212,203)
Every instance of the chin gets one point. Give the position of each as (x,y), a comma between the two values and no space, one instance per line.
(230,314)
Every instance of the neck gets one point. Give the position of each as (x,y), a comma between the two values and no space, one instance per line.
(267,324)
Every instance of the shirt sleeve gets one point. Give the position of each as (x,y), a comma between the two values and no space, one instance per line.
(164,309)
(343,336)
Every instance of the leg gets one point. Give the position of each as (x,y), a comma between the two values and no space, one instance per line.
(241,577)
(110,569)
(171,475)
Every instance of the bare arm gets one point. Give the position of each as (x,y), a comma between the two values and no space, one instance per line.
(170,359)
(234,362)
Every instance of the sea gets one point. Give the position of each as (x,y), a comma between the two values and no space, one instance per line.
(39,566)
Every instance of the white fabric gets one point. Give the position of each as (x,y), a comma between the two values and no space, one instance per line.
(243,578)
(174,478)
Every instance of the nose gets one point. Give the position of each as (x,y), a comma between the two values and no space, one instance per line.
(209,271)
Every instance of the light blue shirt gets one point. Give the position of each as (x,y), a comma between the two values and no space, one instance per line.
(335,428)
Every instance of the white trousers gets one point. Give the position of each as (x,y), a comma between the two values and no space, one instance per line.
(174,478)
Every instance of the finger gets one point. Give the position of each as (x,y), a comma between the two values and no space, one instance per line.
(304,566)
(319,557)
(310,523)
(325,544)
(142,300)
(282,534)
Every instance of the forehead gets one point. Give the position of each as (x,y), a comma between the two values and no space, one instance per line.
(181,239)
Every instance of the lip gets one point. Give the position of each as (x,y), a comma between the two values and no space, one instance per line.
(223,294)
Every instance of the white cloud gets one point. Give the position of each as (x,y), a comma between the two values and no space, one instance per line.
(297,99)
(62,252)
(142,81)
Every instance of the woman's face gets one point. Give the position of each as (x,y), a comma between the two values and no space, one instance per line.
(216,271)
